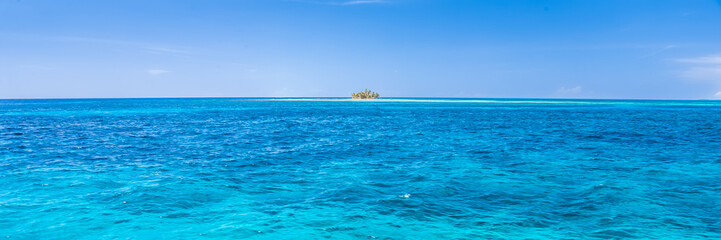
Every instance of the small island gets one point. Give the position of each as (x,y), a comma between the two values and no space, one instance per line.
(367,94)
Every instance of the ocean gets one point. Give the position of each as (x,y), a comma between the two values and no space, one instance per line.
(236,168)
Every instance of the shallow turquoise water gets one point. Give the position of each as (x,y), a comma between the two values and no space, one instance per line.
(397,169)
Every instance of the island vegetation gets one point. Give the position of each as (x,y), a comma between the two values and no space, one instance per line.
(367,94)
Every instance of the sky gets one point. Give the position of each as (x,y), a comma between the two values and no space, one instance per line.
(610,49)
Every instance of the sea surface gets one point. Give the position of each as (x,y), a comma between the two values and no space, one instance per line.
(336,169)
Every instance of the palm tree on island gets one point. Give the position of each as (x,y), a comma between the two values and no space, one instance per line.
(367,94)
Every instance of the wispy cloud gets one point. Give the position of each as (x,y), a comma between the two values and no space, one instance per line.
(356,2)
(166,50)
(663,49)
(152,48)
(714,59)
(156,72)
(569,91)
(342,3)
(37,67)
(705,68)
(93,40)
(710,73)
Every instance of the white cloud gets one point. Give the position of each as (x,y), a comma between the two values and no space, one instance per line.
(706,68)
(716,96)
(156,72)
(569,91)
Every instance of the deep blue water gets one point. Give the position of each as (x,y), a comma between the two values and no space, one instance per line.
(422,169)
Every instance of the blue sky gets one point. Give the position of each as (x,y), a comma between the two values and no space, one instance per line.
(399,48)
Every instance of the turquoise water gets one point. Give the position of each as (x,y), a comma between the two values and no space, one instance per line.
(394,169)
